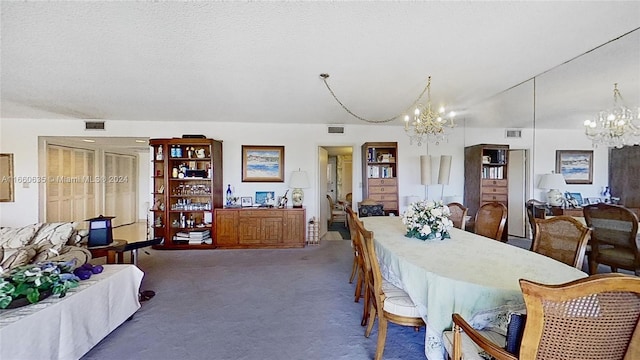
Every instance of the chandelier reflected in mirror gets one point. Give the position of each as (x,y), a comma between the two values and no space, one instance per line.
(617,126)
(427,124)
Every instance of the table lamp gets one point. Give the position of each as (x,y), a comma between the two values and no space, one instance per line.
(553,182)
(425,174)
(298,181)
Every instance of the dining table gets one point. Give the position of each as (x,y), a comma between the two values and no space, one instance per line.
(466,274)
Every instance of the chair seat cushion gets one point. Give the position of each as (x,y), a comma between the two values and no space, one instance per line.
(470,351)
(397,301)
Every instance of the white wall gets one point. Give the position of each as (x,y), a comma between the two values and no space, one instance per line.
(301,141)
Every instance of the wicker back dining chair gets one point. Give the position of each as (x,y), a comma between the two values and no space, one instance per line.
(458,214)
(336,212)
(613,238)
(358,271)
(562,238)
(592,318)
(387,302)
(491,219)
(535,210)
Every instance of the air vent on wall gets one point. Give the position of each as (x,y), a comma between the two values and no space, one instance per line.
(94,125)
(514,133)
(335,129)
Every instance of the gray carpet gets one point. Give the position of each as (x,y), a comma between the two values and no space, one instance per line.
(252,304)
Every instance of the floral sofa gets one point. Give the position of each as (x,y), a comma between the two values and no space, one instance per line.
(42,242)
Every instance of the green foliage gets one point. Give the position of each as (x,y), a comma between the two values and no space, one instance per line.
(31,280)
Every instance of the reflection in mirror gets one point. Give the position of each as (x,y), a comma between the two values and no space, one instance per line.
(6,178)
(578,89)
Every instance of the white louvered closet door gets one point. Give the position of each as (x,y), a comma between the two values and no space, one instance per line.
(120,188)
(71,193)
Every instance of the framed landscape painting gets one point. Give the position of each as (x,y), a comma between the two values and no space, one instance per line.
(262,163)
(575,165)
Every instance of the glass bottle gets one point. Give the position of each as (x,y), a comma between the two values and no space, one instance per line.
(229,195)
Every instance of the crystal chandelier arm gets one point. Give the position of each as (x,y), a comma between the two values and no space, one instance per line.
(617,126)
(324,77)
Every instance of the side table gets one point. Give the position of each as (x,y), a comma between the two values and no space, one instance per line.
(110,251)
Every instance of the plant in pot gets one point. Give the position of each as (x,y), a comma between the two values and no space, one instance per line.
(28,284)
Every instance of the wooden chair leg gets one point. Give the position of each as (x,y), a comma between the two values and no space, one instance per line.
(372,319)
(382,338)
(354,269)
(358,292)
(365,308)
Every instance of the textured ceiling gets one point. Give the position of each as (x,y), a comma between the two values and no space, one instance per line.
(260,61)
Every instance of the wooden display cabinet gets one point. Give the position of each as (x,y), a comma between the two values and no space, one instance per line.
(380,174)
(260,228)
(187,187)
(485,177)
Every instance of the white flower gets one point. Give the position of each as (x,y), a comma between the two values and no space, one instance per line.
(427,220)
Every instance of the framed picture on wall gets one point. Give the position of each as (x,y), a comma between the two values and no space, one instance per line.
(6,178)
(575,165)
(262,163)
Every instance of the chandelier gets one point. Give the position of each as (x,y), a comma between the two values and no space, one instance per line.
(617,126)
(427,124)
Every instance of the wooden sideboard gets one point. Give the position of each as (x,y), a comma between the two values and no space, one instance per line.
(259,228)
(570,212)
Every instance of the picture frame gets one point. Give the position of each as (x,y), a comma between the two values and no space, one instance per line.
(6,178)
(246,201)
(575,165)
(593,200)
(577,197)
(265,198)
(262,163)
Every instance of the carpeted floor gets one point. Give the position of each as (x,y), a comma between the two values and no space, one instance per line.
(251,304)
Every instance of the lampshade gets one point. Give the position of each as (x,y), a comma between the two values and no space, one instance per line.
(445,169)
(551,181)
(299,180)
(425,169)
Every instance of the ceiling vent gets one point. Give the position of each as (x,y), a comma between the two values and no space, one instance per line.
(514,133)
(94,125)
(335,129)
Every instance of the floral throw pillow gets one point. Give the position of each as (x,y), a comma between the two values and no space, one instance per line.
(496,319)
(14,238)
(55,233)
(20,257)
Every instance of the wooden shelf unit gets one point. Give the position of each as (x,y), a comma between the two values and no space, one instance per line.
(243,228)
(485,177)
(380,174)
(188,185)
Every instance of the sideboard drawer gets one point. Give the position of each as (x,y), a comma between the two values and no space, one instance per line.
(494,182)
(383,182)
(491,190)
(384,197)
(496,197)
(382,190)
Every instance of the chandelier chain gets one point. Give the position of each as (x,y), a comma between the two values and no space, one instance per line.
(324,78)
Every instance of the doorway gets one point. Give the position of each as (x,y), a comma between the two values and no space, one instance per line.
(335,179)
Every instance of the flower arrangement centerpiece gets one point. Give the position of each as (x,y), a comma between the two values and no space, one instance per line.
(427,220)
(34,282)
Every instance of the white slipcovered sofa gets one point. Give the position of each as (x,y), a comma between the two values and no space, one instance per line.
(42,242)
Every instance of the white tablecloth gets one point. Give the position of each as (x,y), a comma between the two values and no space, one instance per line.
(68,327)
(465,274)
